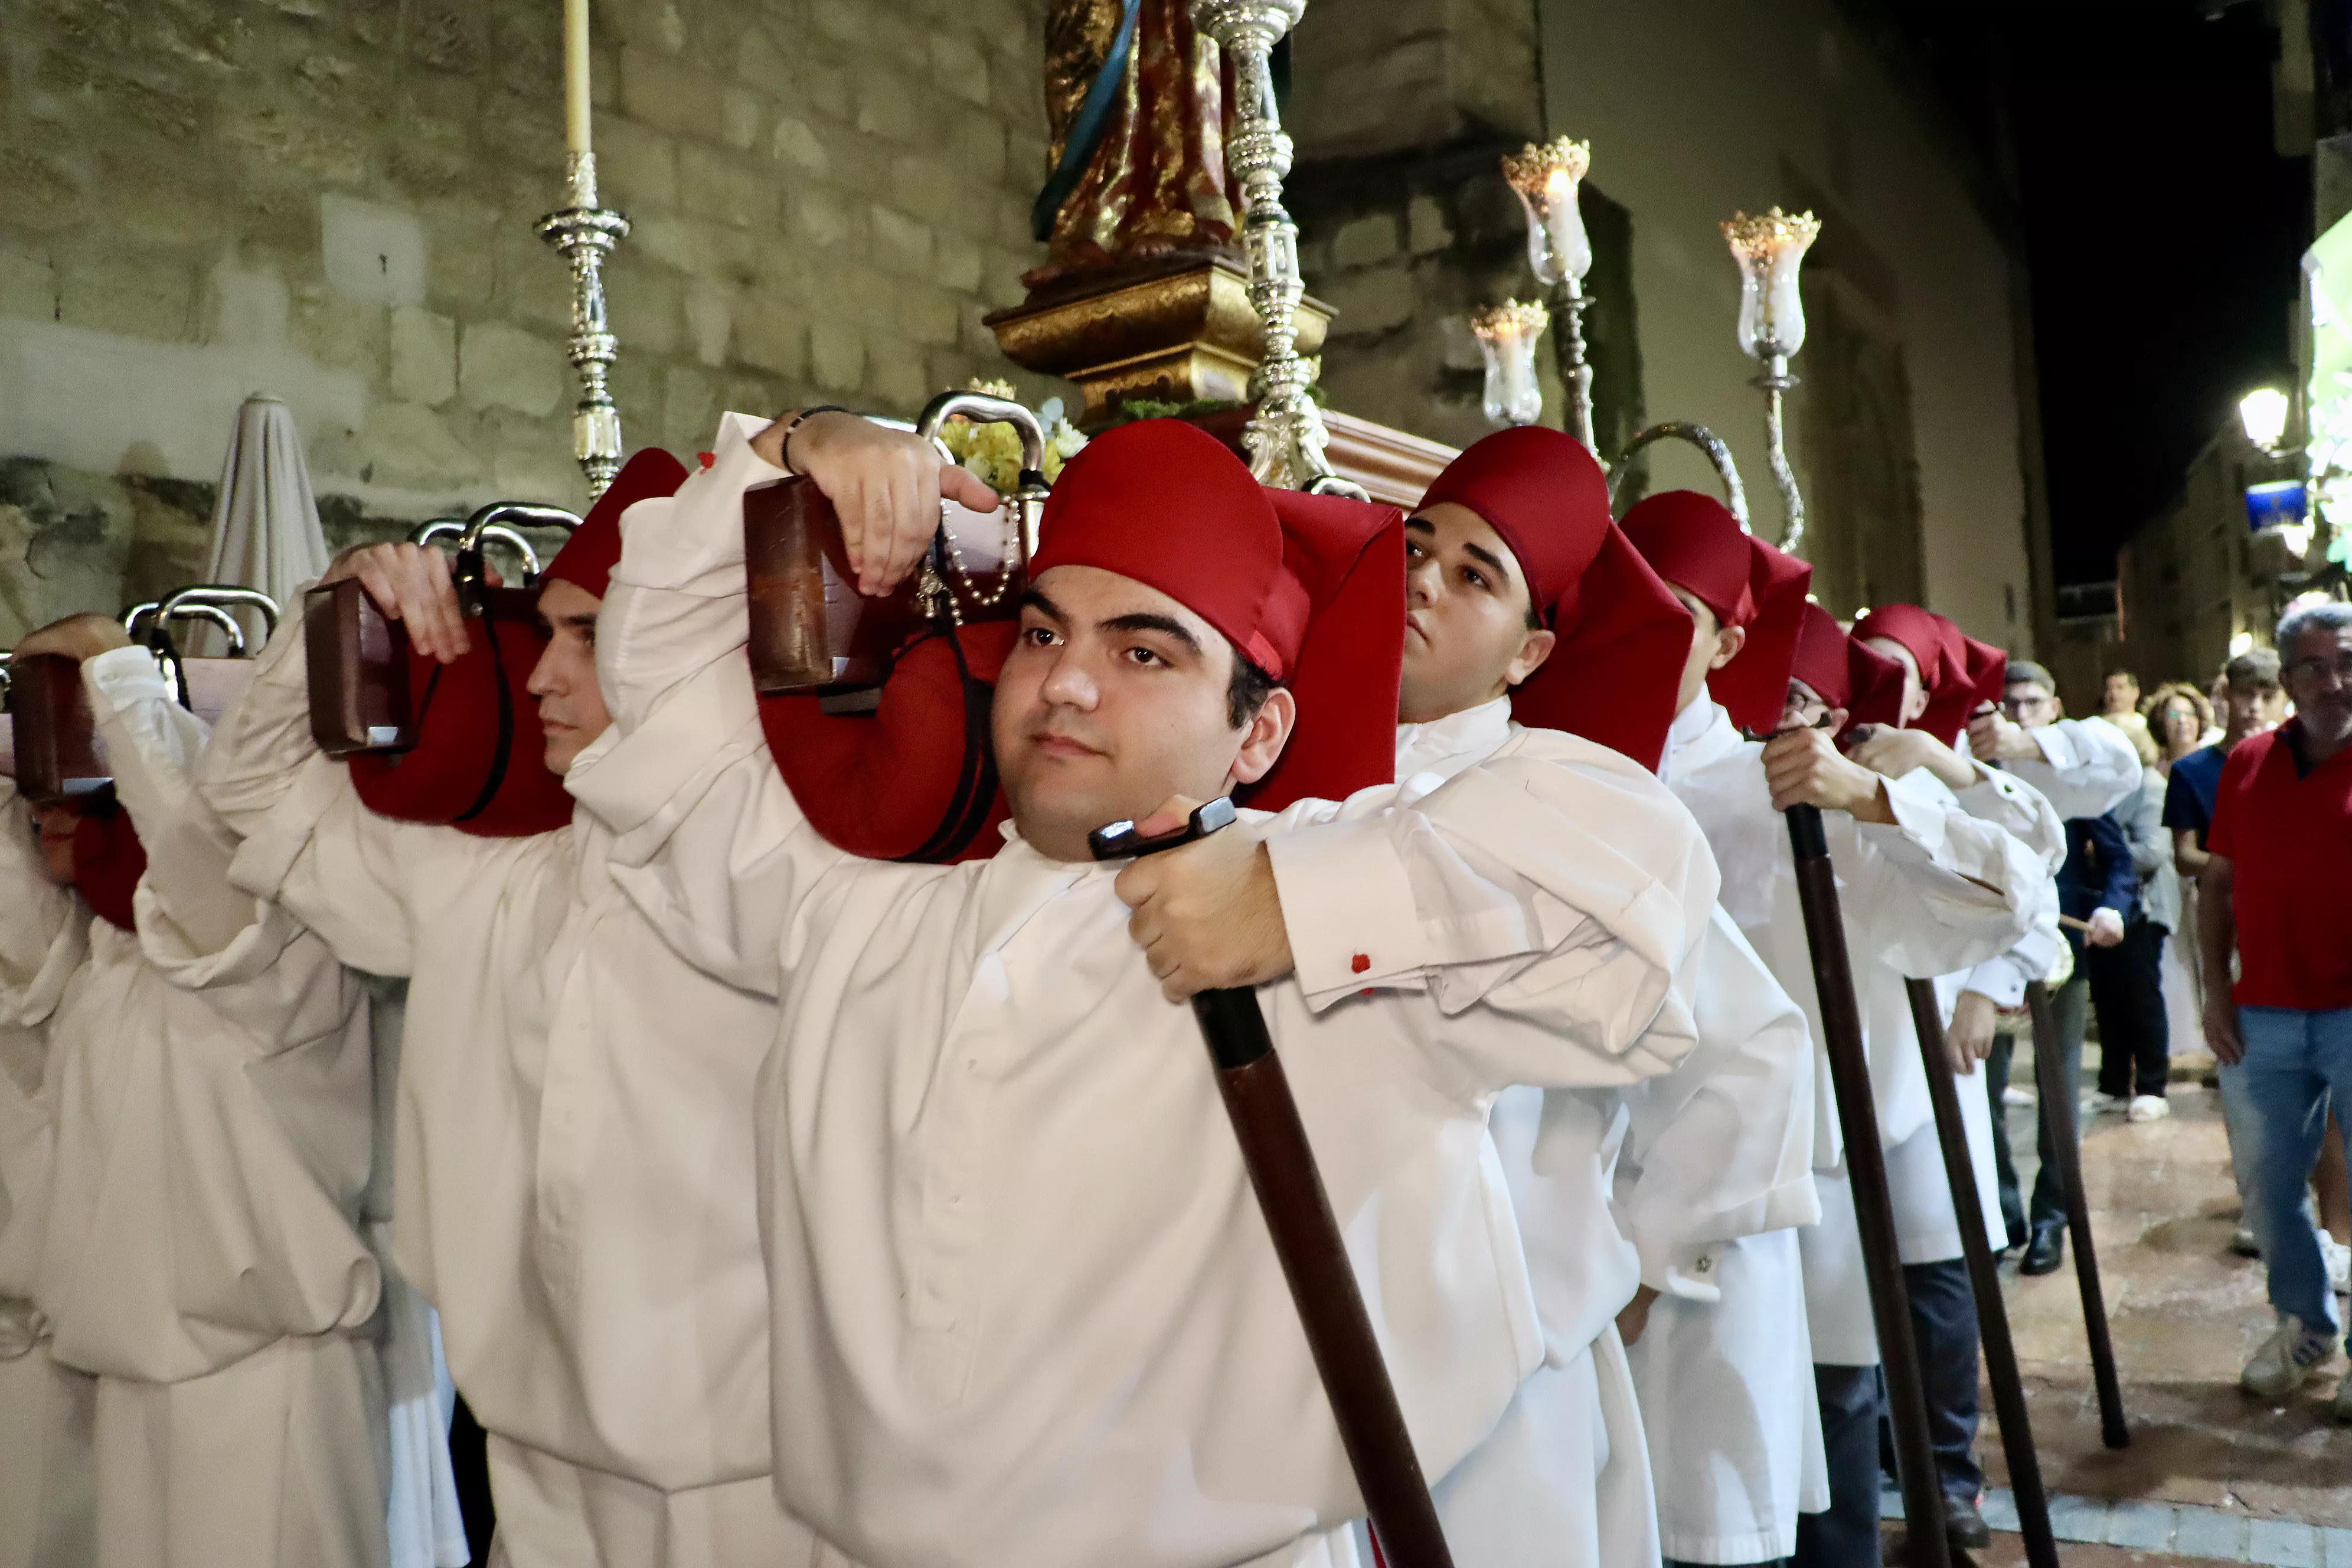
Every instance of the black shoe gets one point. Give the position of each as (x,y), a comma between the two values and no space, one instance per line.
(1964,1526)
(2044,1252)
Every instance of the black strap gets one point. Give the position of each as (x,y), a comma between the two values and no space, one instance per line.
(976,780)
(505,748)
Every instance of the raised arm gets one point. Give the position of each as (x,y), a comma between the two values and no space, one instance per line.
(307,842)
(2086,766)
(1552,900)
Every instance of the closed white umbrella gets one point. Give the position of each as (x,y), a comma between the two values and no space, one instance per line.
(265,531)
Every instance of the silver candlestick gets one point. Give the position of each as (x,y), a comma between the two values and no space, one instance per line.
(585,232)
(1771,249)
(1285,438)
(1547,179)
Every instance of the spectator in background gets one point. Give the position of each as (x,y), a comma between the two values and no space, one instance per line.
(2253,703)
(2096,885)
(2179,719)
(2278,859)
(2119,706)
(2127,978)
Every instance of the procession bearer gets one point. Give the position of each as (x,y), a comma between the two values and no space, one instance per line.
(45,1514)
(572,1151)
(1021,1312)
(199,1252)
(1527,607)
(1923,887)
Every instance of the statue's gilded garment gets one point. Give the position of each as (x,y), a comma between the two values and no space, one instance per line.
(1156,183)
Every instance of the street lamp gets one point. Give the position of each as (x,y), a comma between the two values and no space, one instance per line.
(2263,412)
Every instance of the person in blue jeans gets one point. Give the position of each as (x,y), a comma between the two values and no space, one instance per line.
(2279,855)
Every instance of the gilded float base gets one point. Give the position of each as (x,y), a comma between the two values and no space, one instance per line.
(1177,329)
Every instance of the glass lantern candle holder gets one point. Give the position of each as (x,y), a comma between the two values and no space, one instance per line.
(1546,179)
(1506,336)
(1771,249)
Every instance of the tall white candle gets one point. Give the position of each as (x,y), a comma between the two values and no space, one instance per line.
(575,75)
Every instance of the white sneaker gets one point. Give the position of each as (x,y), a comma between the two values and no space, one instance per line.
(2338,1258)
(2148,1107)
(2098,1101)
(2018,1096)
(2285,1360)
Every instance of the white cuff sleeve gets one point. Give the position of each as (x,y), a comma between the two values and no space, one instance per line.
(1348,905)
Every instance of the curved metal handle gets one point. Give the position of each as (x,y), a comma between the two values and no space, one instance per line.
(513,514)
(982,409)
(471,579)
(215,614)
(1333,485)
(1735,494)
(221,598)
(135,617)
(1029,496)
(453,528)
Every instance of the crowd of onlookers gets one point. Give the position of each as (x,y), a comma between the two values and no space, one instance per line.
(2207,907)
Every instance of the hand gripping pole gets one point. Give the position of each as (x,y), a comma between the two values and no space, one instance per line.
(1866,1159)
(1306,1235)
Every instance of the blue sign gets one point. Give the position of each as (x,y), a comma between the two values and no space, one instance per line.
(2274,504)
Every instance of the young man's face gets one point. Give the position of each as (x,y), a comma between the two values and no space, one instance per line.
(1914,690)
(2121,693)
(571,704)
(54,827)
(2318,671)
(1712,645)
(1468,636)
(1805,708)
(2254,708)
(2030,704)
(1114,698)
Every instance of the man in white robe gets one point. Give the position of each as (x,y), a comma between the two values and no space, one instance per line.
(573,1152)
(1957,881)
(46,1518)
(1713,1160)
(199,1254)
(1022,1313)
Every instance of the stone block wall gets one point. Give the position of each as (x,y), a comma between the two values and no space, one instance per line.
(332,200)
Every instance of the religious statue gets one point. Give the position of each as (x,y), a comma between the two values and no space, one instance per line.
(1136,101)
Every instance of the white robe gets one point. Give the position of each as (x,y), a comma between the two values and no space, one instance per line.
(572,1147)
(1715,1171)
(1942,888)
(1024,1312)
(46,1518)
(201,1253)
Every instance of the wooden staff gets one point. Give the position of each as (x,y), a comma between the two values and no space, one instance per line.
(1289,1188)
(1866,1159)
(2058,1116)
(1984,1281)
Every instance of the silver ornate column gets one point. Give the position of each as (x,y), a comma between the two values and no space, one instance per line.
(1547,179)
(1771,248)
(1285,438)
(585,232)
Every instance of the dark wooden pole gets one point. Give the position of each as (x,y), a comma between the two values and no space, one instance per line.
(2058,1115)
(1866,1159)
(1306,1239)
(1984,1280)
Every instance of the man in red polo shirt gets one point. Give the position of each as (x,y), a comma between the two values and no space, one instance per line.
(2279,853)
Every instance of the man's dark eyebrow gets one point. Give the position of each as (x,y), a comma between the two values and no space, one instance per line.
(1035,599)
(1143,621)
(1491,559)
(1422,524)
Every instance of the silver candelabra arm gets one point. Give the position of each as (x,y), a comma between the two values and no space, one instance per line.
(1735,494)
(585,233)
(1285,438)
(1774,381)
(1575,374)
